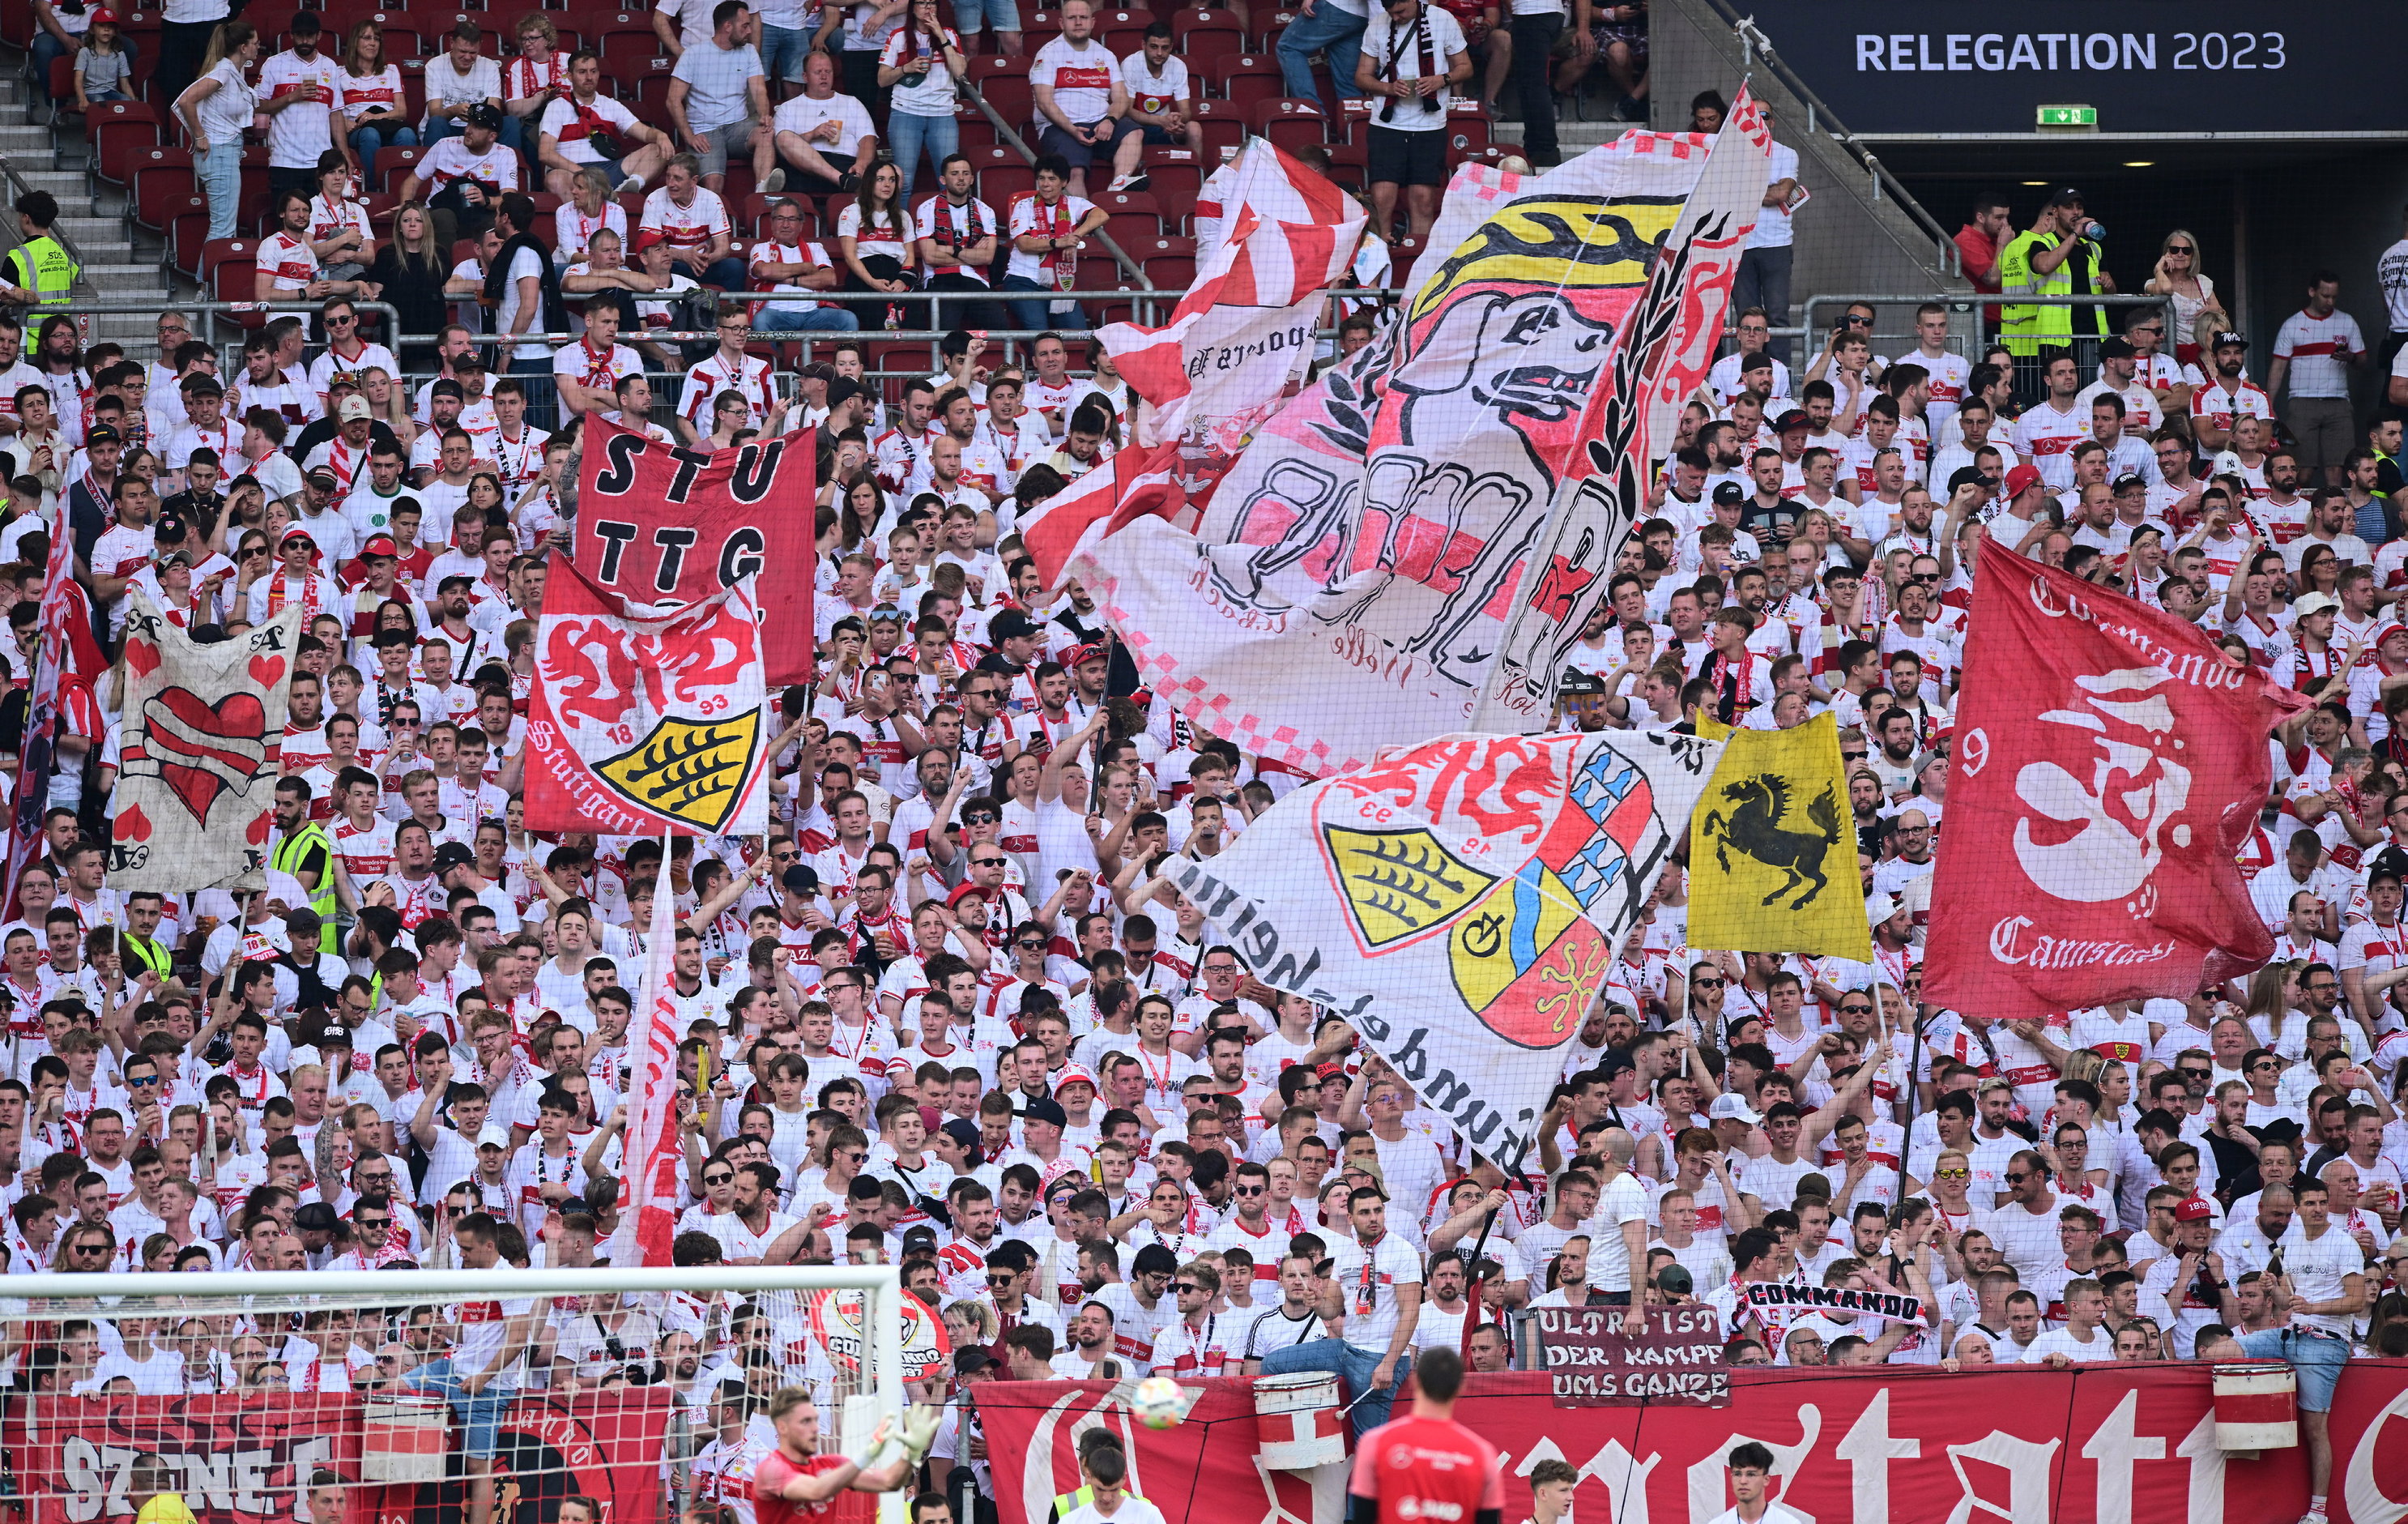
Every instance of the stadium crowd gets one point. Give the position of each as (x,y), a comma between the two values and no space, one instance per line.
(948,1013)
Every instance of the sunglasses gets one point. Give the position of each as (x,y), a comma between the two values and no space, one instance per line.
(1954,1174)
(1708,984)
(1250,1190)
(1855,1010)
(2180,248)
(340,322)
(2018,1179)
(980,820)
(986,862)
(718,1179)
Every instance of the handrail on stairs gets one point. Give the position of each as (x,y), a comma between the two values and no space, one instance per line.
(19,185)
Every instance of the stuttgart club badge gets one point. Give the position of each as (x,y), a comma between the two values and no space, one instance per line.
(647,718)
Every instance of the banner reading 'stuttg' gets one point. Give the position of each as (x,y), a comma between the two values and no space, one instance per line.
(660,525)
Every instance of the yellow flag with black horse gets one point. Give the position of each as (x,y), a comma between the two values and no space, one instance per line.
(1772,846)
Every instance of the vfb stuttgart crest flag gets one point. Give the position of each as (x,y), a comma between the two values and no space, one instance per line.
(647,718)
(1459,902)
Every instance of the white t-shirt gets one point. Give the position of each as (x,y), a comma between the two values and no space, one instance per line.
(445,86)
(1772,223)
(1397,57)
(933,96)
(1152,92)
(1082,77)
(970,222)
(1368,1280)
(1030,217)
(802,114)
(298,134)
(574,125)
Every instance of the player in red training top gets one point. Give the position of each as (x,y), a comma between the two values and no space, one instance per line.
(795,1483)
(1427,1466)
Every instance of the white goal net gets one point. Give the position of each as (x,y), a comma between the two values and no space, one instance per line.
(460,1396)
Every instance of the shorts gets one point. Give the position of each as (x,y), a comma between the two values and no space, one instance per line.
(783,48)
(480,1417)
(616,176)
(719,142)
(1398,157)
(1160,137)
(2316,1359)
(971,17)
(1079,155)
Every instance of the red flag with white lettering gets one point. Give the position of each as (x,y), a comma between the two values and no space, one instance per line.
(2109,764)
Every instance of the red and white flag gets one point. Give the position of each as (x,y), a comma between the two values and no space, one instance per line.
(2109,765)
(648,1161)
(1136,483)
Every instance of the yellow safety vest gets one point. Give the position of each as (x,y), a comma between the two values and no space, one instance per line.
(2026,327)
(144,952)
(291,853)
(54,273)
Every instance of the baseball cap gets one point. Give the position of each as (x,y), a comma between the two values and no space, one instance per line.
(380,545)
(103,434)
(1794,417)
(961,1131)
(1675,1279)
(350,408)
(1081,655)
(1574,682)
(2021,478)
(485,114)
(649,237)
(170,528)
(966,891)
(317,1218)
(1046,1111)
(204,385)
(1074,1075)
(2116,348)
(1011,624)
(2228,338)
(447,387)
(2193,1210)
(1732,1108)
(800,880)
(843,390)
(2315,603)
(2064,195)
(1729,492)
(104,14)
(325,474)
(2127,481)
(452,854)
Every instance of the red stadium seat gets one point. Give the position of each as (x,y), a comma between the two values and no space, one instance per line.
(1350,165)
(1037,29)
(1467,128)
(1175,177)
(1004,83)
(1203,36)
(116,131)
(754,220)
(1002,175)
(1129,214)
(188,236)
(628,56)
(60,83)
(1170,263)
(392,166)
(1241,66)
(1225,126)
(1290,125)
(161,180)
(229,273)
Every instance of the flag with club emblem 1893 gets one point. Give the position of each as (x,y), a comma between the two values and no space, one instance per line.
(1772,852)
(647,718)
(1460,903)
(199,754)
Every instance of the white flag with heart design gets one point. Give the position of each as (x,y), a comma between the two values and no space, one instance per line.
(200,749)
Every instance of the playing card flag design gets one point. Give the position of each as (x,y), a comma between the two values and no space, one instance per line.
(199,753)
(647,718)
(1460,903)
(1348,585)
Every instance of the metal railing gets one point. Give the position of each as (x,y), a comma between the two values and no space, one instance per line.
(1989,334)
(107,306)
(1820,118)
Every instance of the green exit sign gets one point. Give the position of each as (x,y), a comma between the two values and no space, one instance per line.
(2069,115)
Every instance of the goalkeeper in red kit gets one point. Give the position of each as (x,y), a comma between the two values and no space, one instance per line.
(795,1482)
(1427,1467)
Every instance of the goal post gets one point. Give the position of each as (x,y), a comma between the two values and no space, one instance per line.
(407,1395)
